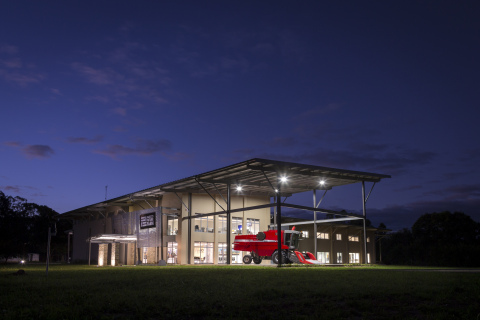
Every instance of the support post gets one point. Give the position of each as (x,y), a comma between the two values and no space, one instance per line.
(89,250)
(279,226)
(189,237)
(229,226)
(364,223)
(48,248)
(161,234)
(68,247)
(315,222)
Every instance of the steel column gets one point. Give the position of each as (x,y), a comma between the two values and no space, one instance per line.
(229,226)
(189,237)
(364,222)
(315,222)
(279,226)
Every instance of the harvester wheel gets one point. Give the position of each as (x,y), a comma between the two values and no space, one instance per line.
(275,257)
(247,259)
(257,260)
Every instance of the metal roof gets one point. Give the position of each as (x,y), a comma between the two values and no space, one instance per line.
(255,176)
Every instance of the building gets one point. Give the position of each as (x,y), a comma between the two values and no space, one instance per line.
(194,220)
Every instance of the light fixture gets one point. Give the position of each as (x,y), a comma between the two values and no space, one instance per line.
(283,179)
(276,190)
(239,188)
(322,182)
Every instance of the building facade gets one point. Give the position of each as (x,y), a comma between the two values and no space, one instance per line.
(194,220)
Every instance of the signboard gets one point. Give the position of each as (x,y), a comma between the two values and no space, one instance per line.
(147,220)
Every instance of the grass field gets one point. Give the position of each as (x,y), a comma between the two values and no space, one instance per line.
(237,292)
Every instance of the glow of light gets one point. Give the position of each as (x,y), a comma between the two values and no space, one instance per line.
(239,188)
(322,182)
(22,262)
(276,190)
(283,179)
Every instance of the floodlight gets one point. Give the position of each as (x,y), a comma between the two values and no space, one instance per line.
(239,188)
(322,182)
(283,179)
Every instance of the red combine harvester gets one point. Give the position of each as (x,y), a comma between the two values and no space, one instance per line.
(265,245)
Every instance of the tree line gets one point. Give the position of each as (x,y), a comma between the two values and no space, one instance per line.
(24,229)
(435,239)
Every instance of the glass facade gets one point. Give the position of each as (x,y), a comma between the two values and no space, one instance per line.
(323,257)
(204,224)
(222,253)
(172,226)
(237,225)
(203,252)
(253,226)
(172,252)
(222,224)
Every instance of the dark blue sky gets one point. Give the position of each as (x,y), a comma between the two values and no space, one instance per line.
(132,94)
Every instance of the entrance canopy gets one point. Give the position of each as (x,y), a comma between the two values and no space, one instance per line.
(114,238)
(251,177)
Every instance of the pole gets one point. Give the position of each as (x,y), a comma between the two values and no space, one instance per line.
(229,226)
(364,222)
(315,222)
(279,226)
(48,249)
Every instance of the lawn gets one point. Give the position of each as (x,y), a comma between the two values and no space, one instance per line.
(237,292)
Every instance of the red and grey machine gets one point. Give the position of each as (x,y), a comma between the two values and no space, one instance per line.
(264,245)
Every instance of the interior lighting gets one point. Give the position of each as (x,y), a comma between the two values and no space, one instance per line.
(322,182)
(239,188)
(283,179)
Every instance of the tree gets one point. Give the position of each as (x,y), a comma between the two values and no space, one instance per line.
(24,228)
(436,239)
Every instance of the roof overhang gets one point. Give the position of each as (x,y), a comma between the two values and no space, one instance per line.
(255,177)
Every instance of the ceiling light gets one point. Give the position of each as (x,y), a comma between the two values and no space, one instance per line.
(322,182)
(239,188)
(283,179)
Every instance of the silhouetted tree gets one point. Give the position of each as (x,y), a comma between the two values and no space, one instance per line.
(436,239)
(24,228)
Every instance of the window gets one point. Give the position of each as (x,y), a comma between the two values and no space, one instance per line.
(203,252)
(368,258)
(322,235)
(237,225)
(204,224)
(323,257)
(354,257)
(222,253)
(353,238)
(253,226)
(339,236)
(172,226)
(144,255)
(368,239)
(172,250)
(339,257)
(305,234)
(236,256)
(222,224)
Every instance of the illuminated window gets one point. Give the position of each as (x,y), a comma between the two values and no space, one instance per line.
(203,252)
(222,253)
(339,236)
(353,238)
(222,224)
(323,257)
(204,224)
(368,239)
(339,257)
(236,225)
(253,226)
(353,257)
(172,251)
(368,257)
(172,226)
(305,234)
(322,235)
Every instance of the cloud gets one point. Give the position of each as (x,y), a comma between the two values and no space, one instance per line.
(120,111)
(23,190)
(84,140)
(21,78)
(32,151)
(142,147)
(96,76)
(5,48)
(38,151)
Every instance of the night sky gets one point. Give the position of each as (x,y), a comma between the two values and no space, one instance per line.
(133,94)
